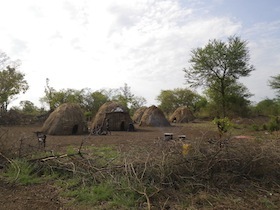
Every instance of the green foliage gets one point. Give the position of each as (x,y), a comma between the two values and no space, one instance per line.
(274,124)
(136,103)
(267,107)
(255,127)
(114,194)
(223,125)
(274,83)
(127,99)
(12,83)
(27,107)
(55,98)
(90,101)
(171,99)
(92,194)
(218,66)
(236,101)
(20,171)
(124,95)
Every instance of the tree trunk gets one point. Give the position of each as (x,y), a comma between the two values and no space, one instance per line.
(223,98)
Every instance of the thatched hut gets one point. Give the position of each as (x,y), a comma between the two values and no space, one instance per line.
(116,114)
(153,116)
(67,119)
(138,114)
(182,115)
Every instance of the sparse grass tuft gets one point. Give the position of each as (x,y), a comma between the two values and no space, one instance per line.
(22,172)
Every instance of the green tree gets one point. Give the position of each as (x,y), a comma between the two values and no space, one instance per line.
(66,96)
(267,107)
(171,99)
(93,101)
(136,103)
(28,107)
(236,100)
(124,95)
(274,83)
(49,95)
(218,65)
(55,98)
(127,98)
(12,83)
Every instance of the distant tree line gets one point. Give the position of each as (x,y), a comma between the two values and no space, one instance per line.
(216,68)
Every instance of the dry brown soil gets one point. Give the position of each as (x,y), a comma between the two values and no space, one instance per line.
(46,196)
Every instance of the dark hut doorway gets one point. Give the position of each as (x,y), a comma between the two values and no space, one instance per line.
(122,126)
(75,129)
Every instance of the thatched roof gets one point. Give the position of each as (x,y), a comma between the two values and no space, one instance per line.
(117,115)
(182,115)
(67,119)
(153,116)
(138,114)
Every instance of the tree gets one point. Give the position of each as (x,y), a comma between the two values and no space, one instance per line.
(28,107)
(136,103)
(12,83)
(93,101)
(219,65)
(124,95)
(172,99)
(49,95)
(55,98)
(126,98)
(236,100)
(268,107)
(274,83)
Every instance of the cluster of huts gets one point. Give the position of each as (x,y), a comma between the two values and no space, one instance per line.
(68,119)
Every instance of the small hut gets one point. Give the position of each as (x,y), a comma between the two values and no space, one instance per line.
(182,115)
(138,114)
(67,119)
(115,114)
(153,116)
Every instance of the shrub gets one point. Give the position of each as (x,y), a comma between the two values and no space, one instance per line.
(223,125)
(274,124)
(255,127)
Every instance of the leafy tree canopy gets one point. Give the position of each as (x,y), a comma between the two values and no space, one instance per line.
(90,101)
(172,99)
(274,83)
(12,82)
(268,107)
(218,65)
(236,100)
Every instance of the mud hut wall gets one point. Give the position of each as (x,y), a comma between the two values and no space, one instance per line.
(153,116)
(118,121)
(138,114)
(182,115)
(67,119)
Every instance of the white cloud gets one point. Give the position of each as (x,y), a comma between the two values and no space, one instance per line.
(104,44)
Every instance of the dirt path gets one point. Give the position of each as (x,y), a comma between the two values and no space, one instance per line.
(41,196)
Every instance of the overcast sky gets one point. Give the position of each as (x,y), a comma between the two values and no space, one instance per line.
(144,43)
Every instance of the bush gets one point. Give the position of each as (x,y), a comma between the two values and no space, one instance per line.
(255,127)
(274,124)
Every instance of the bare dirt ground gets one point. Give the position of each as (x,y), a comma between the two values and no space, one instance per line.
(45,196)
